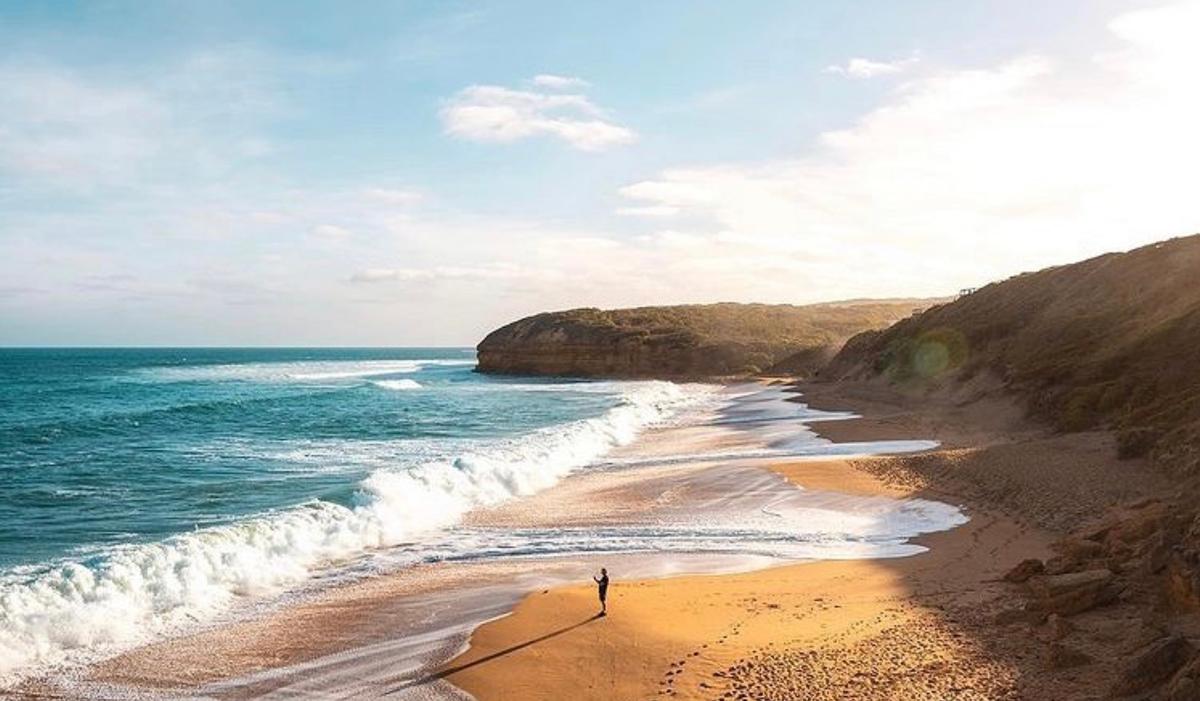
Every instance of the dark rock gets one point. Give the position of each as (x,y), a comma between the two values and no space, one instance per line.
(1136,529)
(1072,593)
(1154,665)
(1019,615)
(1024,570)
(1081,550)
(1062,565)
(1081,600)
(1048,586)
(1099,534)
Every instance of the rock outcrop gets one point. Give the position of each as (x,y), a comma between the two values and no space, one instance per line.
(1073,592)
(1154,664)
(691,341)
(1118,566)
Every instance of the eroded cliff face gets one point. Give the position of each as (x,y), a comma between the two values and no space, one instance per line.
(555,352)
(699,341)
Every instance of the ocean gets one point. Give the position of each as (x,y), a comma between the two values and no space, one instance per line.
(148,491)
(144,488)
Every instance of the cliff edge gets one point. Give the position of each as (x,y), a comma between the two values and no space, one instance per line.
(688,341)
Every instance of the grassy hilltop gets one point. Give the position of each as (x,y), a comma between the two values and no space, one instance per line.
(684,341)
(1110,342)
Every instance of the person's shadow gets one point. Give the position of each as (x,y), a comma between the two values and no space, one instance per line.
(443,673)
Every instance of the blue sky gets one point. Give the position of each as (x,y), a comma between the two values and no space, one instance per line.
(418,173)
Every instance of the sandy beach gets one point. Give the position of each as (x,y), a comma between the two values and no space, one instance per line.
(920,626)
(599,351)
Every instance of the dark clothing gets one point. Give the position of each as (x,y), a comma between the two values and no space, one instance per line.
(603,584)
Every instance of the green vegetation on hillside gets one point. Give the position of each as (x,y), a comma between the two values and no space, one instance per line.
(772,324)
(687,340)
(1113,341)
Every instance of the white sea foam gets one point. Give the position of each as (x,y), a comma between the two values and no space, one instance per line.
(397,385)
(297,371)
(133,593)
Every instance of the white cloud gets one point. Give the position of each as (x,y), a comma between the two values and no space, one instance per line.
(955,178)
(81,129)
(866,68)
(498,271)
(650,211)
(559,82)
(967,175)
(56,126)
(492,113)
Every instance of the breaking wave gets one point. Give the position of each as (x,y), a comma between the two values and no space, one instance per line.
(128,595)
(397,384)
(296,371)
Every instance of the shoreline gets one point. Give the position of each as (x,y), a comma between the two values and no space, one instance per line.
(928,626)
(751,635)
(355,634)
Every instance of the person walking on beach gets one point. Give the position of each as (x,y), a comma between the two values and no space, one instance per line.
(602,587)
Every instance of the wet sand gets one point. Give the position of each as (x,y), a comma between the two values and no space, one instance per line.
(799,631)
(396,635)
(921,627)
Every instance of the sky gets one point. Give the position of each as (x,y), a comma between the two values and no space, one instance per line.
(418,173)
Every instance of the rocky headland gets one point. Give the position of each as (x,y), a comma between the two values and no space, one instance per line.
(687,341)
(1067,402)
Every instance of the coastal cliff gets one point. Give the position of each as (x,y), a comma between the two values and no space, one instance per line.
(1112,342)
(689,341)
(1109,345)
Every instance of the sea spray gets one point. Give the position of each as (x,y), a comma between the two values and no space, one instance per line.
(130,594)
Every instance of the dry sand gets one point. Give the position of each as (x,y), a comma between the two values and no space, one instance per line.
(854,629)
(920,627)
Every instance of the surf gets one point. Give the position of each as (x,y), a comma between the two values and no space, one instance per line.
(72,610)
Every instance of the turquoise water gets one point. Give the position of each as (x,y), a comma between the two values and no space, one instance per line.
(99,447)
(148,491)
(144,487)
